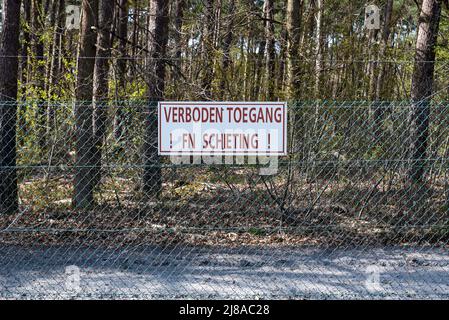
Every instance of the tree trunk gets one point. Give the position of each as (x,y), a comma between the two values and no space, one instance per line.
(157,45)
(101,79)
(26,43)
(281,76)
(294,10)
(24,68)
(318,48)
(53,90)
(52,25)
(119,119)
(422,86)
(180,7)
(294,15)
(226,50)
(259,70)
(39,72)
(9,65)
(383,48)
(178,47)
(38,29)
(380,90)
(208,49)
(136,38)
(56,52)
(270,50)
(84,182)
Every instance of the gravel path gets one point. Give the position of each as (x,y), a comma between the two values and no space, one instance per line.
(188,272)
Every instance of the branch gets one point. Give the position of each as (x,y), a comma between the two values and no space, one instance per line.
(266,19)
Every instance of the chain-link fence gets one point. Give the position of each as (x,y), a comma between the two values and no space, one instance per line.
(359,207)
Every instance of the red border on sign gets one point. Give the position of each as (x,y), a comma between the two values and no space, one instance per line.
(189,153)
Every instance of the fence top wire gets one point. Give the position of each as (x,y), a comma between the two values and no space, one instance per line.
(139,103)
(187,59)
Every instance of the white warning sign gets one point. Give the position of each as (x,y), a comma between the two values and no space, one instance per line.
(222,128)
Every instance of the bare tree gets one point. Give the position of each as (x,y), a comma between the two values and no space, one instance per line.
(179,7)
(101,78)
(9,65)
(386,30)
(379,85)
(55,61)
(318,47)
(208,49)
(24,65)
(227,41)
(84,183)
(294,10)
(119,121)
(270,69)
(38,24)
(26,41)
(422,85)
(258,72)
(56,47)
(157,45)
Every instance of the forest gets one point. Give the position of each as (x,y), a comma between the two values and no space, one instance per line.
(368,115)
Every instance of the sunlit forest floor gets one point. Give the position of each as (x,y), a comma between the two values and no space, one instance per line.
(235,208)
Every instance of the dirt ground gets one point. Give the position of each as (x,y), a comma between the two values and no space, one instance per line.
(157,272)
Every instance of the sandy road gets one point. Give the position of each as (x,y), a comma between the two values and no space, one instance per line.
(188,272)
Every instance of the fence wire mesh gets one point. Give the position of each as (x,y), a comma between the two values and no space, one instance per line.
(359,207)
